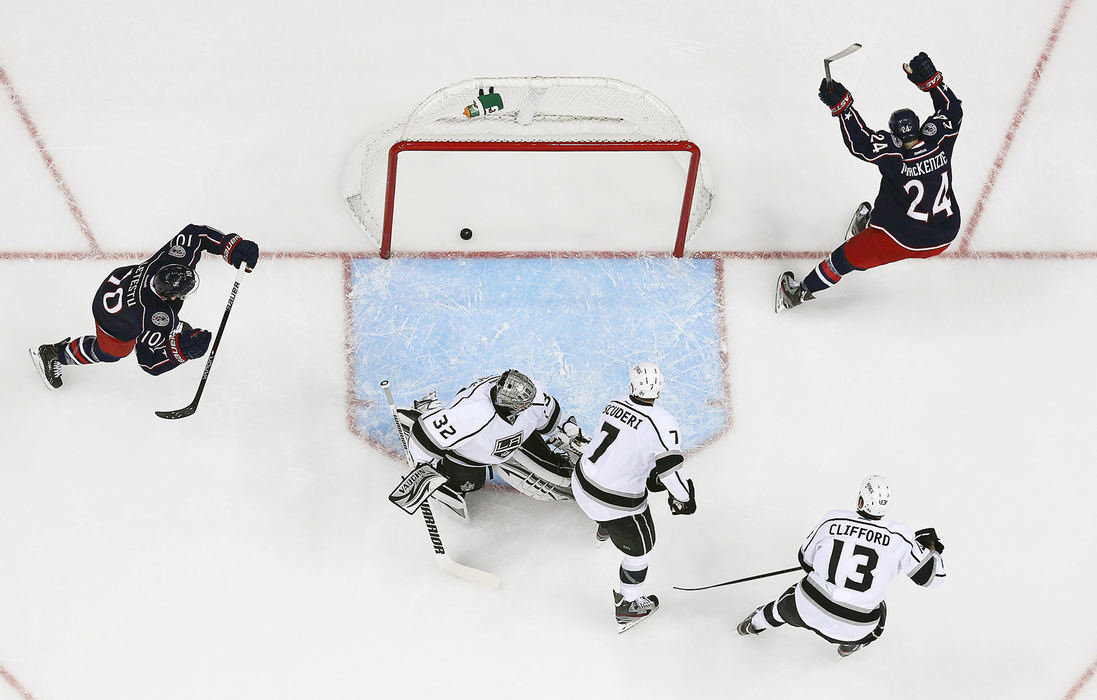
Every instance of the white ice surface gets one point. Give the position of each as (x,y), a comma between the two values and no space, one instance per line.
(248,551)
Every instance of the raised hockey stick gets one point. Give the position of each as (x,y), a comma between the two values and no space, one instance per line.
(445,563)
(193,406)
(841,54)
(740,580)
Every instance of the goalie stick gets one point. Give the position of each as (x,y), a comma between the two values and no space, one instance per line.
(841,54)
(740,580)
(193,406)
(444,561)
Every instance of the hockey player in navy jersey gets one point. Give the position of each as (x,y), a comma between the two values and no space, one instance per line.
(850,558)
(915,213)
(138,306)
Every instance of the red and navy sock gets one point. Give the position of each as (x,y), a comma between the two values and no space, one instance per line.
(83,351)
(829,272)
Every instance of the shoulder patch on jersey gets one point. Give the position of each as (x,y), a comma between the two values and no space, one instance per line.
(177,251)
(160,319)
(896,141)
(929,128)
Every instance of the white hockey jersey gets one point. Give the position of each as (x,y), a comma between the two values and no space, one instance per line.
(470,431)
(631,441)
(852,559)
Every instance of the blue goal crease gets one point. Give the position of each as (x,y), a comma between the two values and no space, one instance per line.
(574,324)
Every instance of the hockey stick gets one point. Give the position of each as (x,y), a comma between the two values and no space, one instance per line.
(445,563)
(740,580)
(841,54)
(193,406)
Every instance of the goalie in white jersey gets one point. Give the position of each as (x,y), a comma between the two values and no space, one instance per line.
(637,449)
(850,558)
(495,424)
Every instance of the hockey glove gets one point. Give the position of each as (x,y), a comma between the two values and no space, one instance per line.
(655,484)
(836,96)
(240,251)
(921,72)
(683,507)
(189,344)
(927,537)
(415,488)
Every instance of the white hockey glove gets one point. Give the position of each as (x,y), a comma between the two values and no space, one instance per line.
(570,440)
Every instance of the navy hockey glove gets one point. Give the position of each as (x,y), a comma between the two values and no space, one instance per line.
(835,95)
(683,507)
(927,537)
(240,251)
(189,344)
(921,72)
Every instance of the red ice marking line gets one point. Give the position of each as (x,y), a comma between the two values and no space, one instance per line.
(32,128)
(15,684)
(1018,117)
(1086,678)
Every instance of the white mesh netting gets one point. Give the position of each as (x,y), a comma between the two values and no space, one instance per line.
(546,110)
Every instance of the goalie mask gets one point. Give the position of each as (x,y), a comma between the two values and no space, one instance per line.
(512,394)
(874,496)
(175,281)
(646,381)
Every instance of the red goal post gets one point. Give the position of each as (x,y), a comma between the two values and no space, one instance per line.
(535,114)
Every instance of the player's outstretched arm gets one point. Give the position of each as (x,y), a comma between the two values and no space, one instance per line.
(835,96)
(927,78)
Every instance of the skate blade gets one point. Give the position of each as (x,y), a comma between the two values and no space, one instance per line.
(625,626)
(779,303)
(863,209)
(36,358)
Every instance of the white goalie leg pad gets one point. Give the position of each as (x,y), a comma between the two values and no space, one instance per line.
(525,474)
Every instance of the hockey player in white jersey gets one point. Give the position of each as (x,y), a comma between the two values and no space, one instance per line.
(495,424)
(850,558)
(637,449)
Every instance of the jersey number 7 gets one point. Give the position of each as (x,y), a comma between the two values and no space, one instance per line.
(611,432)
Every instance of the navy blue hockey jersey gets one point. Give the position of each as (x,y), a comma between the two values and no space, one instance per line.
(915,205)
(127,308)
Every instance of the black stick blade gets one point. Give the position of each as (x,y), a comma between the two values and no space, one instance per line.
(180,413)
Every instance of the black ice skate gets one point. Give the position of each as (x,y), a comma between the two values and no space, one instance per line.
(746,627)
(859,222)
(46,363)
(632,612)
(845,650)
(789,293)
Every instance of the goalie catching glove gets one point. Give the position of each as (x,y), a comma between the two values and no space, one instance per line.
(570,439)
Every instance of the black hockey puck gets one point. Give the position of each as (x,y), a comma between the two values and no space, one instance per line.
(466,233)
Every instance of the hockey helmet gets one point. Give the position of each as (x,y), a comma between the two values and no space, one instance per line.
(646,380)
(175,281)
(904,125)
(874,497)
(513,393)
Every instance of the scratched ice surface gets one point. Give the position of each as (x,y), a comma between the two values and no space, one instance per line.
(575,324)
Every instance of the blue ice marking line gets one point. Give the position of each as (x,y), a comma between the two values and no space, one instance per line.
(574,324)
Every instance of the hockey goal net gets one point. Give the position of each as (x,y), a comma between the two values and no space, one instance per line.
(531,114)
